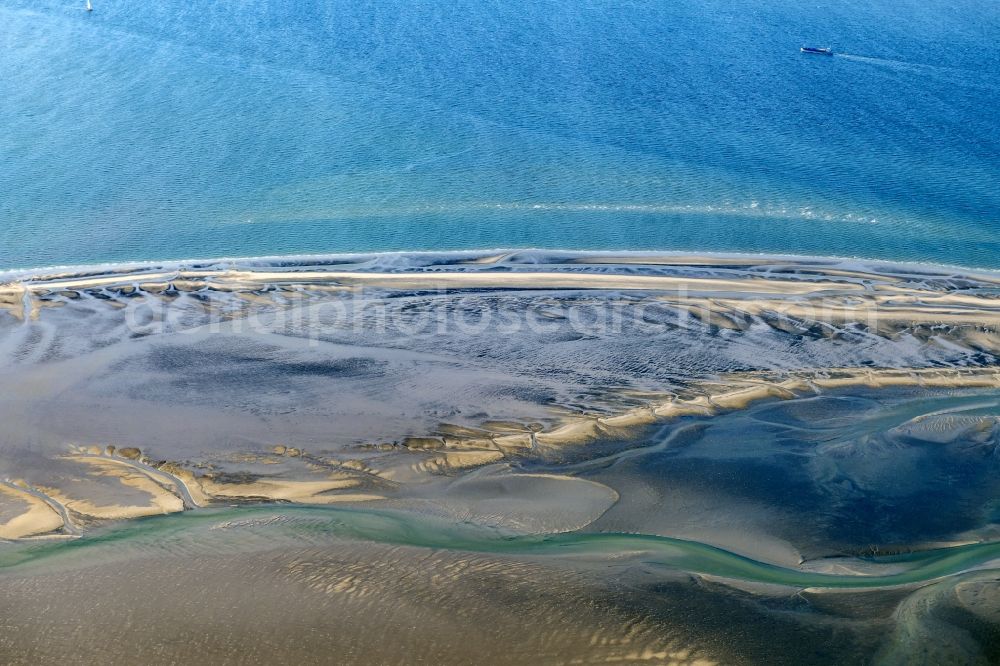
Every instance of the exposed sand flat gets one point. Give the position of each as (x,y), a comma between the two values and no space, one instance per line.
(456,460)
(164,477)
(534,503)
(358,603)
(867,309)
(34,516)
(575,431)
(160,500)
(23,304)
(323,364)
(12,300)
(161,485)
(234,274)
(975,378)
(89,281)
(736,293)
(738,392)
(456,280)
(730,393)
(291,490)
(445,455)
(725,394)
(551,280)
(190,481)
(944,428)
(514,443)
(547,463)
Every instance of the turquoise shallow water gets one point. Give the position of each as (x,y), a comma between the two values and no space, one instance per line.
(260,528)
(164,131)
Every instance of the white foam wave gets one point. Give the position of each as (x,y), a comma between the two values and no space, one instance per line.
(414,260)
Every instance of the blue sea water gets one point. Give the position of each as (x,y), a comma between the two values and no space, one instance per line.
(167,130)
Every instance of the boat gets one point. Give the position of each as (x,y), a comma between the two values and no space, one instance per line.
(817,50)
(90,7)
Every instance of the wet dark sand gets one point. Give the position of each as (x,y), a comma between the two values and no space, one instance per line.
(367,604)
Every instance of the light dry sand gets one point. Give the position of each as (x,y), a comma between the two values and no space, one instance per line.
(304,492)
(232,280)
(738,392)
(36,516)
(161,500)
(457,460)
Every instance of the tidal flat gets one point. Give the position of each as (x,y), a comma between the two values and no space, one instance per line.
(554,457)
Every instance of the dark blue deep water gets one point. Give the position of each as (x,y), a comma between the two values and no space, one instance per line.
(165,130)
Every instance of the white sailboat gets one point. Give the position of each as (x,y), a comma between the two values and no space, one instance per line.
(90,7)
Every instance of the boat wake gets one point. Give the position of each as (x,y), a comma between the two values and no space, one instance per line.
(955,75)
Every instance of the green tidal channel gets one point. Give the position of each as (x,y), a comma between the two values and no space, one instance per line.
(252,529)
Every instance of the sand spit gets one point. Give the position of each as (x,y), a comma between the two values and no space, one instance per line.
(706,398)
(554,280)
(32,516)
(234,280)
(816,298)
(102,507)
(25,300)
(739,391)
(290,490)
(133,459)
